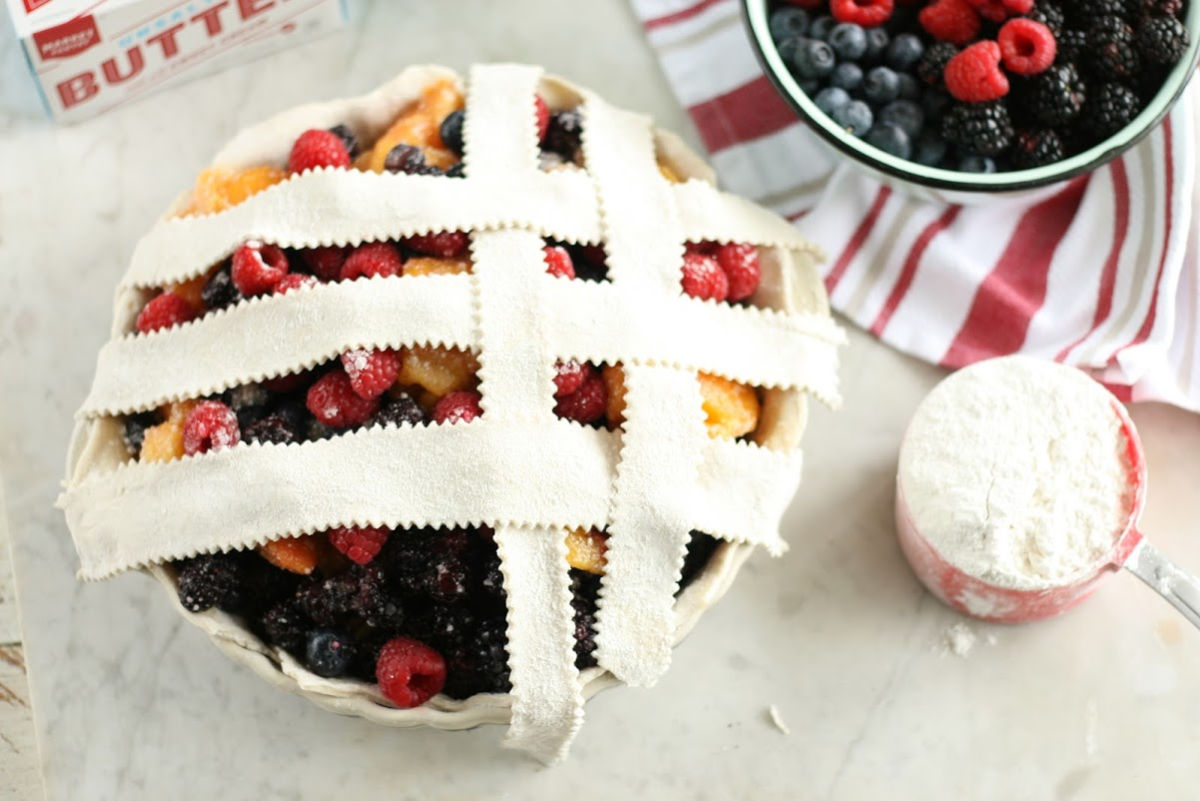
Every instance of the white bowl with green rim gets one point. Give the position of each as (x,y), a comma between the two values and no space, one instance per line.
(950,185)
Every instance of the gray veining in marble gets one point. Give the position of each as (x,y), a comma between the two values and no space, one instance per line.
(131,703)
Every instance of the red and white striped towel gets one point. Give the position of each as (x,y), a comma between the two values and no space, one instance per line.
(1101,273)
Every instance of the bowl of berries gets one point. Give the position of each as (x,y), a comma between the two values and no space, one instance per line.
(977,96)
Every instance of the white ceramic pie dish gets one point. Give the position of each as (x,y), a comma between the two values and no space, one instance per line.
(790,283)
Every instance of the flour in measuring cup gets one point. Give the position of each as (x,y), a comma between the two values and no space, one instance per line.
(1016,471)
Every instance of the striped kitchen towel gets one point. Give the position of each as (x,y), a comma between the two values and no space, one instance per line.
(1100,273)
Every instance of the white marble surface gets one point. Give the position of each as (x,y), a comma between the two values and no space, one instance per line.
(132,703)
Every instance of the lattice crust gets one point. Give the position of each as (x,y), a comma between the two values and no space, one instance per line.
(529,474)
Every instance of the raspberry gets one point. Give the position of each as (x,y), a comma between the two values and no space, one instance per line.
(704,278)
(164,311)
(457,407)
(359,544)
(333,401)
(371,371)
(954,21)
(974,75)
(325,262)
(317,148)
(444,244)
(542,111)
(558,261)
(1000,10)
(586,404)
(209,580)
(867,13)
(409,672)
(210,426)
(1027,47)
(742,267)
(258,267)
(328,653)
(569,376)
(372,259)
(295,281)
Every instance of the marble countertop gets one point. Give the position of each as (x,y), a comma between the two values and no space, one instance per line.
(130,702)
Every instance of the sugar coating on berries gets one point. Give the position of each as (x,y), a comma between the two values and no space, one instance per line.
(742,266)
(586,404)
(443,244)
(211,426)
(328,652)
(731,409)
(258,267)
(333,401)
(974,75)
(558,261)
(208,580)
(569,375)
(317,148)
(1027,47)
(163,442)
(457,407)
(867,13)
(293,281)
(409,672)
(164,311)
(372,259)
(371,372)
(360,544)
(703,277)
(954,21)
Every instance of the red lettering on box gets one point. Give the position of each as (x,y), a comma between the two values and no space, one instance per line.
(74,91)
(33,5)
(212,18)
(166,40)
(136,64)
(68,39)
(252,8)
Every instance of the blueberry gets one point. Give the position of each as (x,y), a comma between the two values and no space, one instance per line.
(976,164)
(890,139)
(935,101)
(786,22)
(451,131)
(821,27)
(787,49)
(877,42)
(849,41)
(881,85)
(905,115)
(904,51)
(813,59)
(929,149)
(328,652)
(810,86)
(855,117)
(910,87)
(846,76)
(831,99)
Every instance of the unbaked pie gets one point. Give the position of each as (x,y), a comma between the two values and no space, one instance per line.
(446,406)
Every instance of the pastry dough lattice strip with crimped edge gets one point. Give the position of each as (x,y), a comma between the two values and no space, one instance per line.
(650,483)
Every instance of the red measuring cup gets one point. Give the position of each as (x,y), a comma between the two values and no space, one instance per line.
(982,599)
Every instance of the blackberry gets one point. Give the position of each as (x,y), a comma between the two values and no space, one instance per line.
(284,625)
(700,549)
(1056,96)
(1104,8)
(1156,8)
(1036,148)
(315,430)
(1050,15)
(1072,46)
(491,580)
(348,139)
(249,402)
(408,159)
(264,584)
(451,131)
(1161,40)
(328,652)
(480,663)
(1109,108)
(1111,52)
(219,291)
(399,410)
(135,431)
(326,601)
(585,638)
(981,128)
(209,580)
(932,65)
(564,134)
(457,171)
(372,601)
(272,429)
(446,627)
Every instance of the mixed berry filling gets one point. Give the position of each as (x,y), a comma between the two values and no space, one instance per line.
(417,611)
(981,85)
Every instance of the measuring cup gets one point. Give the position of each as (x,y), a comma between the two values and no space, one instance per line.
(987,601)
